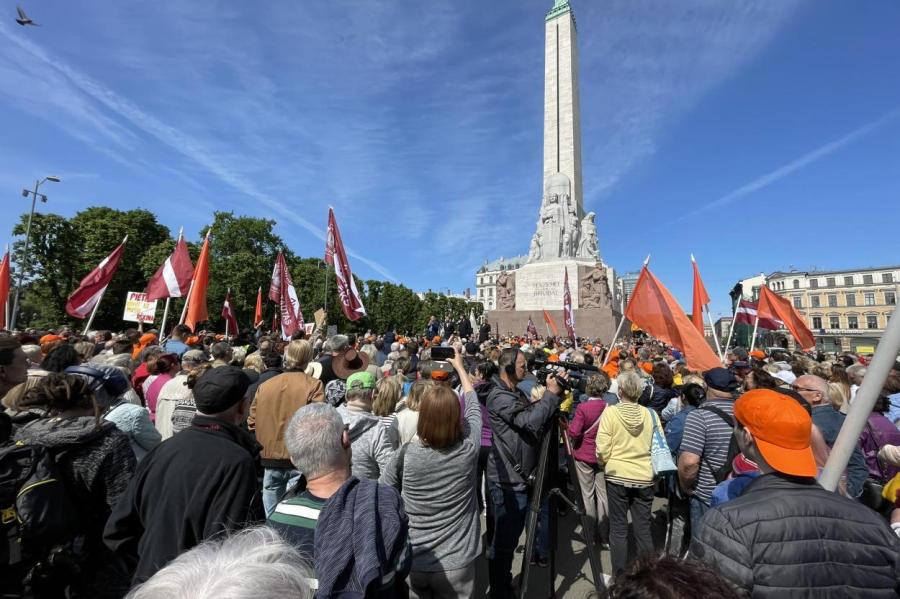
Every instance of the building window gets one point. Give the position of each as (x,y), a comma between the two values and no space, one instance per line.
(871,321)
(868,280)
(851,299)
(796,284)
(814,283)
(835,322)
(817,322)
(490,292)
(481,292)
(829,281)
(890,298)
(869,299)
(815,301)
(848,280)
(852,322)
(832,300)
(887,277)
(798,301)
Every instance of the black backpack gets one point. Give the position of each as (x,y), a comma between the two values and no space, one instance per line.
(38,514)
(722,472)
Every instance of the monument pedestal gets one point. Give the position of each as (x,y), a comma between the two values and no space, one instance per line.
(539,286)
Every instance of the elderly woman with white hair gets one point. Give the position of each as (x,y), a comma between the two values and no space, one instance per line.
(254,563)
(624,438)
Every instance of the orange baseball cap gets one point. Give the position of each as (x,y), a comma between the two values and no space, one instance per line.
(781,429)
(758,354)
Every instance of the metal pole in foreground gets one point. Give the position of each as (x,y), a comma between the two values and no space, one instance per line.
(876,375)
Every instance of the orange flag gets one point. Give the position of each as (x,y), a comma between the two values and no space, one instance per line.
(4,290)
(701,298)
(257,315)
(549,320)
(196,311)
(653,308)
(772,305)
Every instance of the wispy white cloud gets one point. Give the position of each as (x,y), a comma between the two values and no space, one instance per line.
(793,166)
(167,134)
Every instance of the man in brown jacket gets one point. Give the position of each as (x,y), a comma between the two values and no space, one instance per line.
(273,407)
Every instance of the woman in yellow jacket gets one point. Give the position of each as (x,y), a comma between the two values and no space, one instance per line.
(624,438)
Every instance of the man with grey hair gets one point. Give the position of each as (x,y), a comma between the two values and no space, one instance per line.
(814,390)
(176,399)
(254,562)
(334,347)
(319,445)
(855,373)
(373,445)
(222,353)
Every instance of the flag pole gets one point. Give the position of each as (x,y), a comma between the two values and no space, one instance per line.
(731,328)
(755,326)
(857,417)
(621,323)
(715,337)
(90,321)
(187,301)
(162,328)
(227,293)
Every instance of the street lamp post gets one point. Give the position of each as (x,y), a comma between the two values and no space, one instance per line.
(24,266)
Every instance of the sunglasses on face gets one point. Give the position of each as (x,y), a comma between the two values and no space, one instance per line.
(798,388)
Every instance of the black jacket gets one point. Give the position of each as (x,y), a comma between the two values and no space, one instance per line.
(188,488)
(789,537)
(518,426)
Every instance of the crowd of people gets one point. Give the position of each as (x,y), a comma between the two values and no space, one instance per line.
(366,466)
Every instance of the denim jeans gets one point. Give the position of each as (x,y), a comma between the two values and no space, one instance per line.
(698,509)
(510,511)
(276,481)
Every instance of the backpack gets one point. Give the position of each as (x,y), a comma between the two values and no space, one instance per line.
(722,472)
(36,512)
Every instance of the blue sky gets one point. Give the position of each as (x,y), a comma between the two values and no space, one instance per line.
(757,135)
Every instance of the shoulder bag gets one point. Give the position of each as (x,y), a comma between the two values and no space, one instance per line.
(660,455)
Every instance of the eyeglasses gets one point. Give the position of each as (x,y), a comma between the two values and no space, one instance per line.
(798,388)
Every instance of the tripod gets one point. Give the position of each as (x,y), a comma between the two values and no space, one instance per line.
(548,468)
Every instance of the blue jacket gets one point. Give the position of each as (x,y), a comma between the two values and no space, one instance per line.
(675,428)
(829,422)
(362,541)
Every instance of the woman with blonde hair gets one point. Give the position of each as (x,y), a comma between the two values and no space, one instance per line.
(624,438)
(408,419)
(384,400)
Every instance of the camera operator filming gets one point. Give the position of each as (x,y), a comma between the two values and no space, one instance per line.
(518,426)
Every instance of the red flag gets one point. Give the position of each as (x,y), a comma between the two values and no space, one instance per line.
(335,256)
(772,305)
(531,330)
(701,298)
(257,315)
(229,315)
(282,292)
(90,290)
(4,289)
(653,309)
(568,316)
(746,314)
(196,309)
(549,320)
(173,278)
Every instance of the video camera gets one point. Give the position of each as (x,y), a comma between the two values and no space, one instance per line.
(578,373)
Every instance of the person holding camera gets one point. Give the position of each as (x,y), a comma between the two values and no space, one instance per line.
(518,425)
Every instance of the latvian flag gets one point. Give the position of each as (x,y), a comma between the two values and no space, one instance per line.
(746,314)
(173,278)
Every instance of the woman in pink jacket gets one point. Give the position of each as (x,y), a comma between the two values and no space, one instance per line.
(583,432)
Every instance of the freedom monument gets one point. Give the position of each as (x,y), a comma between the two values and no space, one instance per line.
(565,237)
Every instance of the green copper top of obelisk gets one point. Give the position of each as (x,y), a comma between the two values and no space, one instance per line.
(560,7)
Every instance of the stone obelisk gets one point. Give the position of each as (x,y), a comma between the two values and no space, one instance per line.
(562,115)
(565,238)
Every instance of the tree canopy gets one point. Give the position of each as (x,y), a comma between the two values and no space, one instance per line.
(242,254)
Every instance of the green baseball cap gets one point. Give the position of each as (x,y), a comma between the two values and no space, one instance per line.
(361,380)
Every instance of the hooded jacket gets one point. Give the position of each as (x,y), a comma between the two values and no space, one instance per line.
(623,441)
(199,483)
(372,445)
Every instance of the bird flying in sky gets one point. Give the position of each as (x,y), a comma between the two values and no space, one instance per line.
(24,19)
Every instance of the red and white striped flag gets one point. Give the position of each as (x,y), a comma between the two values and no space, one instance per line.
(746,314)
(282,292)
(568,315)
(91,289)
(335,256)
(173,278)
(231,323)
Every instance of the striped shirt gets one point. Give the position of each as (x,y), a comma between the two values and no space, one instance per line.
(708,436)
(295,520)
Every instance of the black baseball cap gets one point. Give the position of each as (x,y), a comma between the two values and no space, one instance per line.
(220,388)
